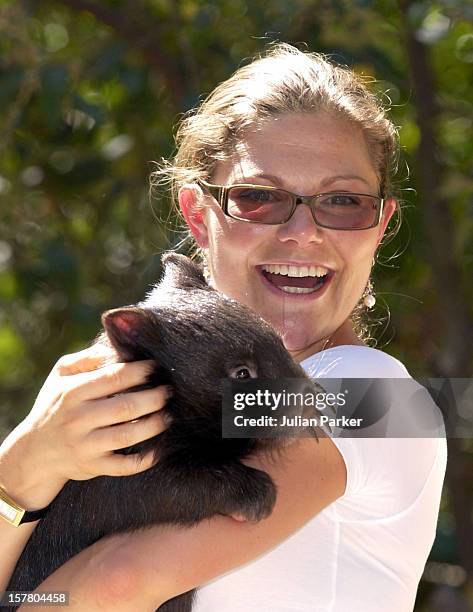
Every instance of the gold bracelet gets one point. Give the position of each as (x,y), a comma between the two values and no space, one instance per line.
(15,514)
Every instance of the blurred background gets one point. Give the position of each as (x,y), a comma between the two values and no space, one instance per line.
(91,91)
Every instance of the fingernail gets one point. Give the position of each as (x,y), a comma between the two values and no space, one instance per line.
(149,366)
(167,419)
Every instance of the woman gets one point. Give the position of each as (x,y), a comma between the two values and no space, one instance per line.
(355,518)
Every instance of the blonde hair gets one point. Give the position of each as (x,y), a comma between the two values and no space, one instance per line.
(283,80)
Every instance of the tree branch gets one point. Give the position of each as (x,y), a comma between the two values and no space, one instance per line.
(457,323)
(457,357)
(142,38)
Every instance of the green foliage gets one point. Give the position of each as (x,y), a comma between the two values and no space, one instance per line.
(89,100)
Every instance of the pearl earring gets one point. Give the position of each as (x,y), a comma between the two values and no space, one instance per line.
(369,299)
(205,269)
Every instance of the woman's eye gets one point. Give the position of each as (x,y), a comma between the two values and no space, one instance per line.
(257,195)
(340,199)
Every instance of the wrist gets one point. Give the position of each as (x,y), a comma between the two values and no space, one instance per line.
(15,514)
(30,498)
(31,487)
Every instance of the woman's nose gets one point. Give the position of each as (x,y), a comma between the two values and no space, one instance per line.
(301,228)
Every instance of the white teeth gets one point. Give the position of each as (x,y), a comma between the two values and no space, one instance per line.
(296,271)
(297,289)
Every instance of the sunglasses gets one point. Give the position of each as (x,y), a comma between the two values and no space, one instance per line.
(273,206)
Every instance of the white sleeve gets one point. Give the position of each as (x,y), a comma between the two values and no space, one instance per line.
(385,475)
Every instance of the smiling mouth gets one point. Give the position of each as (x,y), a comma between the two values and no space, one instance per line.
(296,279)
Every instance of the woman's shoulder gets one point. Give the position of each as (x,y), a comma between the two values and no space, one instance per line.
(354,361)
(389,465)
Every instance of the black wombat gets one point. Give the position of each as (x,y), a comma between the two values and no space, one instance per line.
(197,337)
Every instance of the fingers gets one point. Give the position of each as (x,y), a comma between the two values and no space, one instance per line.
(240,518)
(126,434)
(125,407)
(75,424)
(109,379)
(86,360)
(126,465)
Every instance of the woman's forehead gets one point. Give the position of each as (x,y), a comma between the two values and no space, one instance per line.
(296,149)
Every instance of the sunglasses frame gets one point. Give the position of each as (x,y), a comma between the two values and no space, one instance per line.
(220,193)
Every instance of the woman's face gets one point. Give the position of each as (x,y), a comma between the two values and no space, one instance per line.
(305,154)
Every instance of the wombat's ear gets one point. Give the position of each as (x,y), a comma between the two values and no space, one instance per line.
(124,327)
(180,272)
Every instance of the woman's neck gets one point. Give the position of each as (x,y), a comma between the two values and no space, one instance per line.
(342,336)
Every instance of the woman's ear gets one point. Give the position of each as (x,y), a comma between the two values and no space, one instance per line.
(191,199)
(389,209)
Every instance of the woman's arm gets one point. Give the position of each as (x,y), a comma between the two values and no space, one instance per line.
(27,487)
(142,570)
(13,541)
(71,432)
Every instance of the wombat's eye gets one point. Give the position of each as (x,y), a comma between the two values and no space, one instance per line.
(242,372)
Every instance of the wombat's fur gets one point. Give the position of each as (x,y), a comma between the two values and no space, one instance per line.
(196,337)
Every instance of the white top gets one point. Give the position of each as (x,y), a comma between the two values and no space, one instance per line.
(366,551)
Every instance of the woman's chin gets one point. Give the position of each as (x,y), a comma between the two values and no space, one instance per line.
(294,329)
(299,341)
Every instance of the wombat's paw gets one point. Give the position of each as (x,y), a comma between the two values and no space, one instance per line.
(252,498)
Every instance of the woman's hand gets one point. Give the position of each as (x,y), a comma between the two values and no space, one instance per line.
(75,425)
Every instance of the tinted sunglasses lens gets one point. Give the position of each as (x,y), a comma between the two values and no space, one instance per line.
(346,211)
(259,205)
